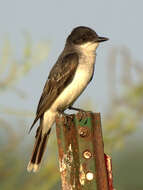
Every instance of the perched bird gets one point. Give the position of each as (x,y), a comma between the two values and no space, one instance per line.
(68,78)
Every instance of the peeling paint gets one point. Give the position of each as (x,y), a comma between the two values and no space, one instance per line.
(66,160)
(82,175)
(62,165)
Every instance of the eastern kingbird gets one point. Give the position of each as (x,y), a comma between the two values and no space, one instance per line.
(68,78)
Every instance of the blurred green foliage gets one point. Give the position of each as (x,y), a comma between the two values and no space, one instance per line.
(125,106)
(123,116)
(12,69)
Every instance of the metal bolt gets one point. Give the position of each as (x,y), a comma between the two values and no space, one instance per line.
(87,154)
(89,176)
(83,131)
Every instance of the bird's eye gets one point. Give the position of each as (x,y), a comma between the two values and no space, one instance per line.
(83,38)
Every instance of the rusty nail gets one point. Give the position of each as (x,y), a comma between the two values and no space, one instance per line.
(87,154)
(89,176)
(83,131)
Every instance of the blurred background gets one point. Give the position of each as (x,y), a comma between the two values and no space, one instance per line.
(32,35)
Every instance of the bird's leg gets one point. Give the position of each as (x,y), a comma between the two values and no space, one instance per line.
(76,109)
(64,114)
(82,113)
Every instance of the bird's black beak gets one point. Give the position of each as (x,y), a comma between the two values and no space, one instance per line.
(101,39)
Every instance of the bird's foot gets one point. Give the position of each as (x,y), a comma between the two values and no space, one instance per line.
(82,114)
(66,118)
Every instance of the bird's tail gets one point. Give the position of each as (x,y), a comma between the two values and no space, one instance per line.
(39,149)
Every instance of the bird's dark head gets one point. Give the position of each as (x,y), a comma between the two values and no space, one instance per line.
(82,35)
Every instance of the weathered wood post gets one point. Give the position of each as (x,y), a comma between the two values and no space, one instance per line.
(83,165)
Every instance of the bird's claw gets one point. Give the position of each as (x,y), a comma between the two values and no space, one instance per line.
(82,115)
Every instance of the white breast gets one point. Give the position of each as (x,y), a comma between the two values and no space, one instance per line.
(75,88)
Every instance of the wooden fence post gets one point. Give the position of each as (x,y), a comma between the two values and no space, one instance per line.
(81,153)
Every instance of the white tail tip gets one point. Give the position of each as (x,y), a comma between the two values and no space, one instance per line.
(33,167)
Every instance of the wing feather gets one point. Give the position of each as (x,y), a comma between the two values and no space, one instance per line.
(60,76)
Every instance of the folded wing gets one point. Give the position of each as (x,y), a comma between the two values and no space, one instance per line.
(60,76)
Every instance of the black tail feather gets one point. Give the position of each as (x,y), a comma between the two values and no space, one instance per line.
(38,151)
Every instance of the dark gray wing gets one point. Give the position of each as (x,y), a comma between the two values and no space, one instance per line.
(60,76)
